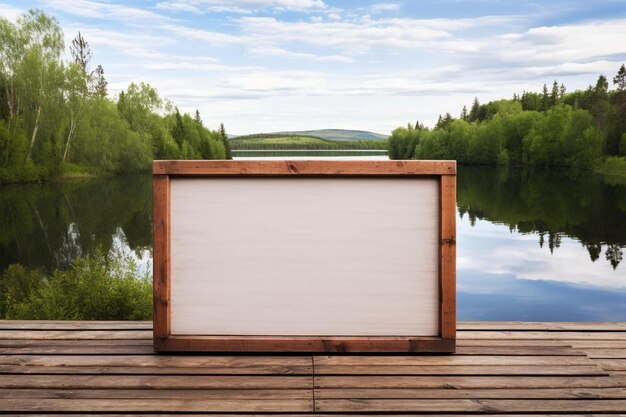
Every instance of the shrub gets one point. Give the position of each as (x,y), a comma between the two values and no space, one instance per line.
(93,288)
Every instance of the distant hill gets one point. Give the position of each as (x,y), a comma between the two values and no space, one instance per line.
(329,134)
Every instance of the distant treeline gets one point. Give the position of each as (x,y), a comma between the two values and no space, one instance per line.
(266,141)
(582,129)
(56,117)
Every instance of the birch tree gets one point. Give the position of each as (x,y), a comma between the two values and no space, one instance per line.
(41,65)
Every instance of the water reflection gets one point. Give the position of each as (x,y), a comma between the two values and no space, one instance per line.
(540,246)
(47,226)
(551,204)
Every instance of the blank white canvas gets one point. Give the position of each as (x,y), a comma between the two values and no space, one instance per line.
(305,256)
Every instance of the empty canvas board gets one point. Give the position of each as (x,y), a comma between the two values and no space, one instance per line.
(338,256)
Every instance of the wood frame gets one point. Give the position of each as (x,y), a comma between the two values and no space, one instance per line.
(163,171)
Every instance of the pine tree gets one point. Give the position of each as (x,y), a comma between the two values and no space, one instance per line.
(197,118)
(224,139)
(562,91)
(473,114)
(620,78)
(121,102)
(545,99)
(554,95)
(80,52)
(178,130)
(464,113)
(100,83)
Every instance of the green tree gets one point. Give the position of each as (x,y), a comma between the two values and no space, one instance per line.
(224,139)
(40,67)
(545,99)
(178,130)
(473,114)
(620,78)
(100,84)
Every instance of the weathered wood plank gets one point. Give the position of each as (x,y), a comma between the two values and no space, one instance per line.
(155,405)
(158,382)
(75,334)
(327,415)
(78,350)
(526,393)
(458,370)
(611,364)
(515,343)
(519,351)
(605,353)
(74,325)
(463,405)
(163,394)
(604,344)
(303,362)
(156,364)
(450,360)
(466,382)
(541,335)
(542,326)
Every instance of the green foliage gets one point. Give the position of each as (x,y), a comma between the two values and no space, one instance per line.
(55,113)
(613,165)
(403,141)
(551,128)
(93,288)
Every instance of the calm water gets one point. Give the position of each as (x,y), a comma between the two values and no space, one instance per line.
(532,245)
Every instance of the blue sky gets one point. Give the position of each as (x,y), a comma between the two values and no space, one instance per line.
(269,65)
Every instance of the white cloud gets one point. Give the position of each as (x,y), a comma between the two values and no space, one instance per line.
(178,6)
(211,37)
(270,50)
(384,7)
(100,10)
(564,43)
(133,44)
(342,34)
(240,6)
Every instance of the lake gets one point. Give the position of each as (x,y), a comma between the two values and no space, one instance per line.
(533,245)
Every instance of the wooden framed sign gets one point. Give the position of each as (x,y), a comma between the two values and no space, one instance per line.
(304,256)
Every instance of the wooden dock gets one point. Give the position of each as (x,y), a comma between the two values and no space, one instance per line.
(91,368)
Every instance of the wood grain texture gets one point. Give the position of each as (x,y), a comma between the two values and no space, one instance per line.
(306,256)
(304,344)
(303,168)
(447,257)
(161,254)
(514,380)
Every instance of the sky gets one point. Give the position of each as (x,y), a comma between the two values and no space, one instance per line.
(272,65)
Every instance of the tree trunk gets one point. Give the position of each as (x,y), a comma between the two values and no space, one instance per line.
(34,136)
(69,138)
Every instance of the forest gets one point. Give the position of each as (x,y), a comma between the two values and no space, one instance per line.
(581,129)
(58,120)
